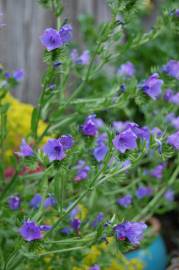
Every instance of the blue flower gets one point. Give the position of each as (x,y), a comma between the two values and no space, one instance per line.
(172,68)
(65,33)
(100,152)
(14,202)
(169,195)
(125,201)
(54,150)
(36,201)
(133,231)
(82,59)
(97,220)
(126,70)
(25,150)
(51,39)
(75,224)
(18,74)
(142,192)
(95,267)
(173,140)
(30,231)
(125,140)
(49,202)
(45,228)
(89,128)
(82,171)
(157,172)
(152,86)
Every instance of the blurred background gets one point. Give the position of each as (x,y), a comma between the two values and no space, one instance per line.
(25,20)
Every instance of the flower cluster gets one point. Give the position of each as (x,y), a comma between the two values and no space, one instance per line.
(52,39)
(118,160)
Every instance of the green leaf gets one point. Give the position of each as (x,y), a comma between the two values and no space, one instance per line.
(34,121)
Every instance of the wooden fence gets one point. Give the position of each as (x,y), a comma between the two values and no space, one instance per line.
(26,19)
(19,39)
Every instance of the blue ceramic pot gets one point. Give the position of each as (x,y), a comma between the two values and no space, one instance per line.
(154,257)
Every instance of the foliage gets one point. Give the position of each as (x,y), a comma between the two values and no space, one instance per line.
(73,89)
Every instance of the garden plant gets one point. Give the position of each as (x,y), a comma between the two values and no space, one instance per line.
(82,172)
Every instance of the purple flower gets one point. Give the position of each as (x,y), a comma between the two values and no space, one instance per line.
(66,141)
(175,122)
(89,128)
(168,94)
(152,86)
(85,58)
(51,39)
(36,201)
(119,126)
(18,74)
(95,267)
(14,202)
(125,201)
(102,138)
(157,172)
(133,231)
(50,202)
(169,195)
(141,132)
(54,149)
(98,121)
(82,59)
(126,70)
(125,140)
(156,132)
(74,55)
(45,228)
(74,212)
(123,88)
(25,150)
(142,192)
(170,117)
(172,69)
(65,33)
(57,64)
(100,152)
(173,140)
(171,97)
(7,75)
(175,99)
(126,164)
(82,171)
(177,12)
(66,230)
(52,86)
(97,220)
(75,224)
(30,231)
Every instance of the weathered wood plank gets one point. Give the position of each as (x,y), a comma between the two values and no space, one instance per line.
(19,42)
(19,39)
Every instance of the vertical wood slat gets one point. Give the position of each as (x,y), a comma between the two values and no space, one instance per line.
(19,43)
(19,39)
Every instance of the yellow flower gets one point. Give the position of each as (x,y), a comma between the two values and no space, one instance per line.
(116,266)
(135,264)
(83,212)
(79,268)
(92,256)
(104,246)
(18,124)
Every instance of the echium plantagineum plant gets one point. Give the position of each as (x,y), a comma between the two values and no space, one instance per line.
(110,160)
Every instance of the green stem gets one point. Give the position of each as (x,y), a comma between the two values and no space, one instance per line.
(9,186)
(158,196)
(61,250)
